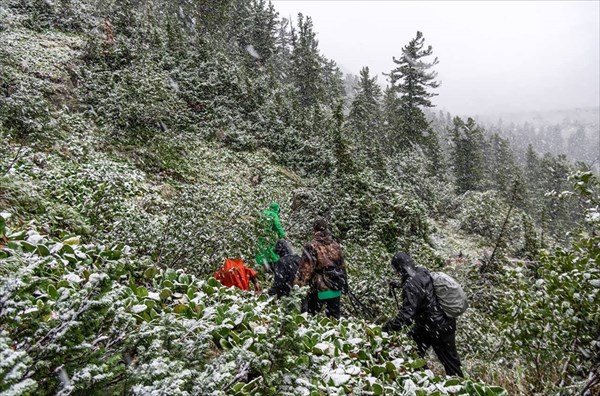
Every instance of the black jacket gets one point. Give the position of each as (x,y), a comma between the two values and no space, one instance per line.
(420,306)
(284,270)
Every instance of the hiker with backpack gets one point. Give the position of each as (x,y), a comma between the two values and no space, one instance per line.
(284,271)
(270,231)
(233,273)
(322,268)
(432,326)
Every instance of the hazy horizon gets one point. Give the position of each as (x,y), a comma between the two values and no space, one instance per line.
(495,57)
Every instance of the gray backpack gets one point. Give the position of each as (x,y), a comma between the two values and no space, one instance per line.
(450,294)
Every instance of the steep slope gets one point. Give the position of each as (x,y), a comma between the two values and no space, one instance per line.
(128,176)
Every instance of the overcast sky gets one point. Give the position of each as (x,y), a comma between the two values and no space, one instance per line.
(495,57)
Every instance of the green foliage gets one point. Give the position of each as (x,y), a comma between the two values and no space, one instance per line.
(501,165)
(92,320)
(467,155)
(545,312)
(532,243)
(412,80)
(137,102)
(484,213)
(552,315)
(365,121)
(33,87)
(67,15)
(178,123)
(306,63)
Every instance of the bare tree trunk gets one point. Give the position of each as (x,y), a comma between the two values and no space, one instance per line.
(12,163)
(488,263)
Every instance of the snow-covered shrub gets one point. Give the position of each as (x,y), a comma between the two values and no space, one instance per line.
(136,102)
(86,319)
(547,312)
(483,213)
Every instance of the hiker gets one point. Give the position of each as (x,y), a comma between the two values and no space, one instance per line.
(432,327)
(284,270)
(235,274)
(322,268)
(273,230)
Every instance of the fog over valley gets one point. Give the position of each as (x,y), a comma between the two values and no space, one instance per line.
(496,58)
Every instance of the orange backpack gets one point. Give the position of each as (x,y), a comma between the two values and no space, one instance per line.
(235,273)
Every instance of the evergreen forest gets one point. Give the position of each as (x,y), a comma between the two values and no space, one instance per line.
(140,142)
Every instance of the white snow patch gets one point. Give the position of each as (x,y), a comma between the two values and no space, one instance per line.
(260,330)
(138,308)
(252,51)
(339,379)
(154,296)
(71,277)
(355,341)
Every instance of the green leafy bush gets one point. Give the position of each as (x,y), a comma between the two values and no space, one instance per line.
(91,319)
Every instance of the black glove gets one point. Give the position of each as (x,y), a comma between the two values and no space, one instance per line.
(394,284)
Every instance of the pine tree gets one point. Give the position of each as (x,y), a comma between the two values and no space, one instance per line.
(532,163)
(365,113)
(345,163)
(412,80)
(533,181)
(282,58)
(391,119)
(306,68)
(333,83)
(501,165)
(467,155)
(365,119)
(253,29)
(555,171)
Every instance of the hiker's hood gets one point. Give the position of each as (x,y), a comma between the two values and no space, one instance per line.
(274,207)
(404,264)
(323,237)
(283,248)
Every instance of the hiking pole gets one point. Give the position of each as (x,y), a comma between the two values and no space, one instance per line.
(352,303)
(355,310)
(354,299)
(393,291)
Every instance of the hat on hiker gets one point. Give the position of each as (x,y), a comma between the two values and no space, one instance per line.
(320,224)
(403,263)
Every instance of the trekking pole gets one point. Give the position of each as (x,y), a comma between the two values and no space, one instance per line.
(393,291)
(353,305)
(347,288)
(354,299)
(355,310)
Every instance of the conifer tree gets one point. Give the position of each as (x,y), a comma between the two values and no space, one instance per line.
(501,165)
(412,80)
(333,81)
(391,117)
(467,155)
(283,43)
(532,181)
(306,69)
(532,163)
(345,164)
(365,119)
(365,113)
(555,171)
(254,24)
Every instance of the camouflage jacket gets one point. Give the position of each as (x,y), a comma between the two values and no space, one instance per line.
(320,253)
